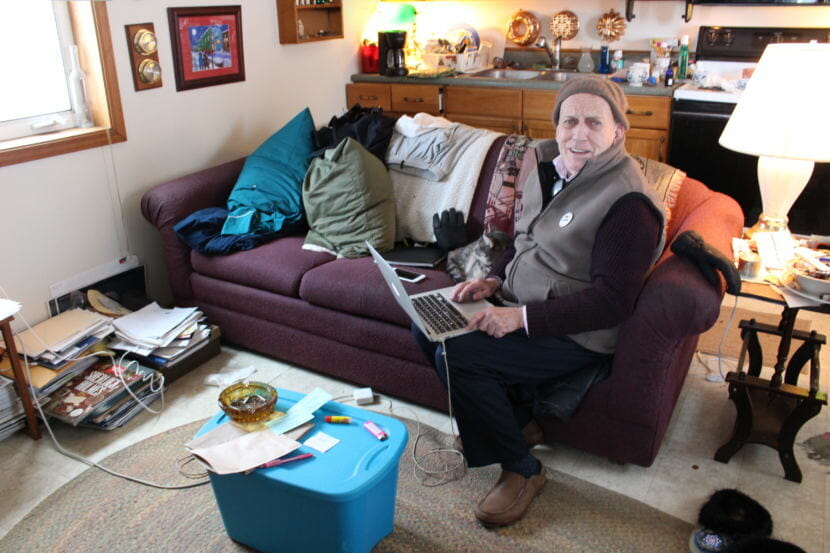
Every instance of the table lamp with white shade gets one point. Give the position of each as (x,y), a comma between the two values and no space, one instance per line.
(783,117)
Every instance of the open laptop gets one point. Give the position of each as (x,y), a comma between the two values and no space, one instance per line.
(436,315)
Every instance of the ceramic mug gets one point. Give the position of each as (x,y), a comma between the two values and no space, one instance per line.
(637,74)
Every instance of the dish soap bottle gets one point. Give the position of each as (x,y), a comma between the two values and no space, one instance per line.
(586,63)
(683,58)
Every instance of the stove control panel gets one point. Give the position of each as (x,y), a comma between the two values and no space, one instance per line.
(748,43)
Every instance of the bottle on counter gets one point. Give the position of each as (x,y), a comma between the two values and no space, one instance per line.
(619,62)
(605,60)
(683,58)
(668,80)
(586,63)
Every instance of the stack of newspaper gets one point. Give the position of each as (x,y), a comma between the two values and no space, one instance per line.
(12,416)
(152,329)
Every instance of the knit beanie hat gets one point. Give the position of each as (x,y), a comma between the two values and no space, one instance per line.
(600,86)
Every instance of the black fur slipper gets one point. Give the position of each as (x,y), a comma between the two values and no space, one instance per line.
(736,514)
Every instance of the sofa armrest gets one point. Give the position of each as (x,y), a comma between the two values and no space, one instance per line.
(676,305)
(168,203)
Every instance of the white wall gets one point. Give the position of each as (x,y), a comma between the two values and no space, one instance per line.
(65,215)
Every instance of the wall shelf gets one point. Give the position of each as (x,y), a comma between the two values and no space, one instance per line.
(319,21)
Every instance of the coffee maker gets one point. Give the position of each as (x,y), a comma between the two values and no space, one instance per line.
(392,60)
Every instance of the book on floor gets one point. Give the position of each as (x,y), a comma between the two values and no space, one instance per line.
(79,397)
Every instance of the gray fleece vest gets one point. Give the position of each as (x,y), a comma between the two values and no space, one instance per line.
(554,244)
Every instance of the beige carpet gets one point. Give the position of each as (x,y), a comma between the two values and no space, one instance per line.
(732,346)
(97,512)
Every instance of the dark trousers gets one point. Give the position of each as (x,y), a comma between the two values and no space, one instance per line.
(483,374)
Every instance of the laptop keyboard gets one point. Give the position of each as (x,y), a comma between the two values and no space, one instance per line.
(438,313)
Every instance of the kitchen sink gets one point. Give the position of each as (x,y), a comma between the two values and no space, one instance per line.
(508,74)
(524,74)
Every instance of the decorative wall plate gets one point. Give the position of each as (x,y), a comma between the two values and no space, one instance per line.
(523,28)
(611,26)
(564,25)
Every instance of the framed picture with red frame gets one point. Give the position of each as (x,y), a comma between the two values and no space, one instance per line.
(207,45)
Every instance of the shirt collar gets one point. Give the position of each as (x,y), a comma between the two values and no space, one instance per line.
(561,170)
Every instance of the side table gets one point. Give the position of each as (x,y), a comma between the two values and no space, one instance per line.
(20,378)
(771,412)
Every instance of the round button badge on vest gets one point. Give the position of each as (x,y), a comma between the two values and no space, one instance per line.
(566,219)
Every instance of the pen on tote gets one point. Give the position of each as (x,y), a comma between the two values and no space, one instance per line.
(338,419)
(277,462)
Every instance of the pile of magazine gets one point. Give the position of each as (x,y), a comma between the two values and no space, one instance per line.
(99,396)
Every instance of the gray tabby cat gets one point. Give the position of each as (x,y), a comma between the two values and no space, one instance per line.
(475,259)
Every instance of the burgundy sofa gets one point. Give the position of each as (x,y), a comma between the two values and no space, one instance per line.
(337,317)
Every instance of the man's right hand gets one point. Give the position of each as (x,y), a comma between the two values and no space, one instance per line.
(475,289)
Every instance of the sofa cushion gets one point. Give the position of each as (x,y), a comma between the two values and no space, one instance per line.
(267,196)
(348,201)
(277,266)
(357,287)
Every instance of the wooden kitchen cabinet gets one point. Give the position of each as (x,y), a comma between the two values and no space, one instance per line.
(369,95)
(395,99)
(537,113)
(319,21)
(497,109)
(513,110)
(410,99)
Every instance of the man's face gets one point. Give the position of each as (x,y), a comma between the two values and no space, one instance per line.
(586,129)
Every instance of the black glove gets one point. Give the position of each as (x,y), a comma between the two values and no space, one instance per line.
(450,232)
(691,245)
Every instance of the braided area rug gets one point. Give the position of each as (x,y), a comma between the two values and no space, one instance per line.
(98,512)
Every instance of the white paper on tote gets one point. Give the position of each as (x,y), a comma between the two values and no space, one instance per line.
(322,442)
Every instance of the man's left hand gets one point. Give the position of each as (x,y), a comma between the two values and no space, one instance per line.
(497,321)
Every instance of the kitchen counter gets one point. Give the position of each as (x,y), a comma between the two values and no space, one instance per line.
(538,84)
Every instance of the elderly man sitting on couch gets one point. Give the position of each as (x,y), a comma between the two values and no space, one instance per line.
(590,230)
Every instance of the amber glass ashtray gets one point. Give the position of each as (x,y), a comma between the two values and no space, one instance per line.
(248,401)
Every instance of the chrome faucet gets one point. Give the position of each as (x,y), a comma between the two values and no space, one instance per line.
(554,54)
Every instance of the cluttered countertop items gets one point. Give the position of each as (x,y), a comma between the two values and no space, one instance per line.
(533,57)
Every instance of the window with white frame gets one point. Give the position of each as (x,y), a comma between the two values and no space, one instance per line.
(47,92)
(88,21)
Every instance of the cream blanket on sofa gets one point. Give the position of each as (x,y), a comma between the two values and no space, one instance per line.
(417,199)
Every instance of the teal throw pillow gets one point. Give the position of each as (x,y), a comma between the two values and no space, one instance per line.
(267,197)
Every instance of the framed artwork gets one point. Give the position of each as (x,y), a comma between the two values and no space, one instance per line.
(207,45)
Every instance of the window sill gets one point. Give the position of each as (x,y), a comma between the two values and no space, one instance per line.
(57,143)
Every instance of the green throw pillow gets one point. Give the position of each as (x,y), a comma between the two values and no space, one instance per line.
(348,200)
(267,196)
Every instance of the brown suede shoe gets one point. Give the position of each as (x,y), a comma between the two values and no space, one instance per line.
(510,498)
(532,433)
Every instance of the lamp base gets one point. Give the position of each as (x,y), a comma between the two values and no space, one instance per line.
(768,223)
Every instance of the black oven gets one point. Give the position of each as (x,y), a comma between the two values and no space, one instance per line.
(696,127)
(699,117)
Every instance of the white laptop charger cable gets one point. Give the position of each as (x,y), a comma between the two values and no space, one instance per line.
(72,455)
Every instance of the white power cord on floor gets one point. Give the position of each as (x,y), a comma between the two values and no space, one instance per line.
(81,458)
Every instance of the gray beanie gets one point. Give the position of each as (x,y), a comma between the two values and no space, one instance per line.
(600,86)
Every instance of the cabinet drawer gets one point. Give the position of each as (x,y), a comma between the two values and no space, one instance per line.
(649,112)
(413,98)
(504,125)
(538,104)
(369,95)
(500,102)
